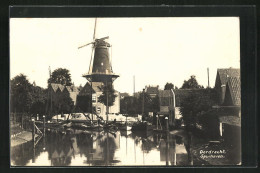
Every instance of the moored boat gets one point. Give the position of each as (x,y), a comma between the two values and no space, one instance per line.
(142,126)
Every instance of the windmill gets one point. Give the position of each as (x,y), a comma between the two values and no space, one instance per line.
(100,67)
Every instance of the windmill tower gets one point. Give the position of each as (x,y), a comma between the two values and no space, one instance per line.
(100,67)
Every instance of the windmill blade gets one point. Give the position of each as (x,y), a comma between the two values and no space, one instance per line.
(103,38)
(90,64)
(86,45)
(94,35)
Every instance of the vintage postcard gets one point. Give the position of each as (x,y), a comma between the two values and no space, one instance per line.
(154,91)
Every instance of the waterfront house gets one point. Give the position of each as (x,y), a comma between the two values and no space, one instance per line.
(57,89)
(222,77)
(230,122)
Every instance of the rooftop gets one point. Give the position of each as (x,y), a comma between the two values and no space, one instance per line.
(225,73)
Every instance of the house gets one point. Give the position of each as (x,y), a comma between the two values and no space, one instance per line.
(233,92)
(224,120)
(152,91)
(230,122)
(57,89)
(222,77)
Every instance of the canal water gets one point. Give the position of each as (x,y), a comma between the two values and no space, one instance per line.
(120,148)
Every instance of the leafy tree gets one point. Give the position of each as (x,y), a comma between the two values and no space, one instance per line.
(39,100)
(198,102)
(108,95)
(168,86)
(191,83)
(134,105)
(61,103)
(65,103)
(129,105)
(21,97)
(60,76)
(83,103)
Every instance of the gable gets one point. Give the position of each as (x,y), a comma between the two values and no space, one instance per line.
(224,74)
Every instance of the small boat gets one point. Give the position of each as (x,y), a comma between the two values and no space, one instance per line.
(83,126)
(125,133)
(142,126)
(112,127)
(125,127)
(67,125)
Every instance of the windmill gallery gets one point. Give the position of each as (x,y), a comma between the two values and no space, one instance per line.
(96,125)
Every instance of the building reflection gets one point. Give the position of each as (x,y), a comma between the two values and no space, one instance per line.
(96,148)
(99,148)
(173,153)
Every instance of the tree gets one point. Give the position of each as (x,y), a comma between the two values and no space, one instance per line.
(168,86)
(129,105)
(108,95)
(64,103)
(21,96)
(39,100)
(191,83)
(197,102)
(60,76)
(83,103)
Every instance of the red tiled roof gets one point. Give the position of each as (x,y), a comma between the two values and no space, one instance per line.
(225,73)
(96,87)
(182,94)
(71,88)
(233,84)
(56,86)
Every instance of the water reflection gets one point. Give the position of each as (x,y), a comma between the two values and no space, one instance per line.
(84,148)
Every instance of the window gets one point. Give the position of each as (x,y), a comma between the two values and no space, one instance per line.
(94,98)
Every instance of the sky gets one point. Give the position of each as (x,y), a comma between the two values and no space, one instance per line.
(154,50)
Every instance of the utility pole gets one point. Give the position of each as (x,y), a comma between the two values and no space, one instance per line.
(143,105)
(208,76)
(50,92)
(134,86)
